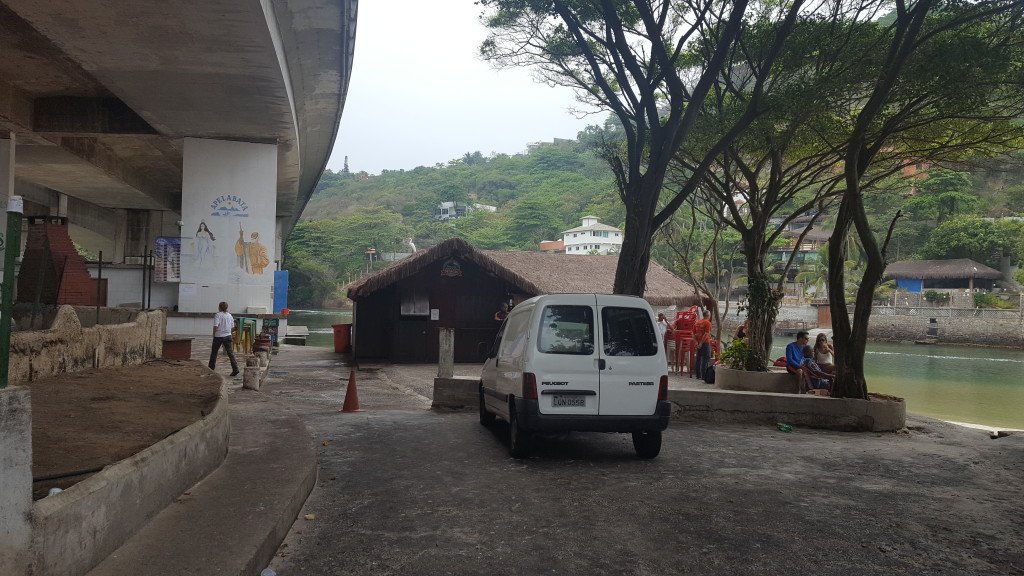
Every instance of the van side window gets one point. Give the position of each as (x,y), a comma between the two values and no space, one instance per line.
(628,332)
(497,341)
(515,328)
(566,330)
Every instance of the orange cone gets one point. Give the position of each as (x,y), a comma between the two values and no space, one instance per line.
(351,395)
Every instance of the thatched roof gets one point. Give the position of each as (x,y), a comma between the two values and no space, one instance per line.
(941,269)
(535,273)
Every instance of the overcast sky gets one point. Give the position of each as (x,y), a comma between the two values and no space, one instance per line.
(419,94)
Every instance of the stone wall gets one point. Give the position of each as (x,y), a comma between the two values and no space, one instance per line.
(963,325)
(71,344)
(977,326)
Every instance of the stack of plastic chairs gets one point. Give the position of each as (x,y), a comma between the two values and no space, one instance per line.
(243,335)
(682,338)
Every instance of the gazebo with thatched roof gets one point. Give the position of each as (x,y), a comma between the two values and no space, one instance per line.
(399,310)
(962,273)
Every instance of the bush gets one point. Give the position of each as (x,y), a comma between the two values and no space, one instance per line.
(936,297)
(986,300)
(736,354)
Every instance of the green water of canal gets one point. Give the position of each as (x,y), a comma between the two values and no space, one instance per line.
(962,384)
(958,383)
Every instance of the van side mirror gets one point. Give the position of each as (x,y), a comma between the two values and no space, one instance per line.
(483,350)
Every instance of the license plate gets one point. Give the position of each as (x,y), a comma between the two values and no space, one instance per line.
(569,401)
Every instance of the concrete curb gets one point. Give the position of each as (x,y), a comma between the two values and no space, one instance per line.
(75,529)
(232,521)
(735,406)
(794,409)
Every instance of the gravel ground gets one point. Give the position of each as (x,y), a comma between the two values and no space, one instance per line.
(406,490)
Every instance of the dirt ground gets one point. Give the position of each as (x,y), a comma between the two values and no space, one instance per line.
(84,421)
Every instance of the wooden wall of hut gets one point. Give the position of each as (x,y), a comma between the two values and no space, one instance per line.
(465,297)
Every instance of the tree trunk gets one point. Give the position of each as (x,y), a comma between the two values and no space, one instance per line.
(635,254)
(762,310)
(849,343)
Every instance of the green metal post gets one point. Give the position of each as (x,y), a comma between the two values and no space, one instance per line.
(15,208)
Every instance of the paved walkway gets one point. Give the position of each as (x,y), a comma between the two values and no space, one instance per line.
(406,490)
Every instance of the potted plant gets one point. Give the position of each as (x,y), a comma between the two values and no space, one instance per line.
(738,371)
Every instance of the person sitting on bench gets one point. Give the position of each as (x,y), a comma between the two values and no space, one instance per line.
(816,378)
(795,359)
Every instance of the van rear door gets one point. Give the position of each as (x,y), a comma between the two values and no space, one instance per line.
(565,360)
(633,359)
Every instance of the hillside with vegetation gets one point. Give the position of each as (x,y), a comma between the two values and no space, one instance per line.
(947,214)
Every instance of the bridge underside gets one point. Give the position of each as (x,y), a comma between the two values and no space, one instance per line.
(97,98)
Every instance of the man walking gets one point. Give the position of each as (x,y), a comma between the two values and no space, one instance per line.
(222,323)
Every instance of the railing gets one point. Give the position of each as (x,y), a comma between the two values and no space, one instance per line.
(929,312)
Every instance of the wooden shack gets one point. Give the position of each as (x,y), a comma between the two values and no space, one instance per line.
(399,310)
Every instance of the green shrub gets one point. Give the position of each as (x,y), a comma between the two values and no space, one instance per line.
(986,300)
(936,297)
(738,355)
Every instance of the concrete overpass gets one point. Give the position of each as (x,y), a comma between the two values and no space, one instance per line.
(99,100)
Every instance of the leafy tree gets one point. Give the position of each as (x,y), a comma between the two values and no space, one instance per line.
(946,84)
(981,240)
(651,63)
(943,194)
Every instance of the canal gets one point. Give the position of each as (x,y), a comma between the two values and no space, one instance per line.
(958,383)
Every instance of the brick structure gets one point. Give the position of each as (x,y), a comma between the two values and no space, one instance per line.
(53,268)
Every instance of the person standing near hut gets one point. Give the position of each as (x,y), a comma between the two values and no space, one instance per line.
(702,342)
(222,324)
(501,314)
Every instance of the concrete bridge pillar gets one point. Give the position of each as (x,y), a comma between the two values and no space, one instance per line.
(229,226)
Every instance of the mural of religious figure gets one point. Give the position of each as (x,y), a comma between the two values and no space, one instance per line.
(204,245)
(258,259)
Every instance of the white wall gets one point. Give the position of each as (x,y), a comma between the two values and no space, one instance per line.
(230,188)
(124,286)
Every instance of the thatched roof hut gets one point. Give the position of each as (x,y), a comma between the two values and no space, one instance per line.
(536,273)
(400,310)
(941,269)
(962,273)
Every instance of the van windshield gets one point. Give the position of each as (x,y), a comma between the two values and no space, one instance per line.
(566,330)
(628,332)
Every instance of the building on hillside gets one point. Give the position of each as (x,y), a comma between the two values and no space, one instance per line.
(399,310)
(959,274)
(454,210)
(806,259)
(592,237)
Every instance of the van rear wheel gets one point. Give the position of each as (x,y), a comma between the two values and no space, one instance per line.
(486,418)
(518,439)
(647,444)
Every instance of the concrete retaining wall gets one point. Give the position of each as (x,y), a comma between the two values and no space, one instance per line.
(952,330)
(15,480)
(735,406)
(775,380)
(456,393)
(67,346)
(793,409)
(75,530)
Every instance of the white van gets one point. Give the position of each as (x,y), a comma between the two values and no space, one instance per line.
(588,362)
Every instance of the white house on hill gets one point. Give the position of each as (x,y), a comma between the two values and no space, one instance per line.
(592,237)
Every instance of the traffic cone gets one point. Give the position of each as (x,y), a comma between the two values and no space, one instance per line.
(351,395)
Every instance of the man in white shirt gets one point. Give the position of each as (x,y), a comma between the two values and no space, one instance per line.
(662,326)
(222,324)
